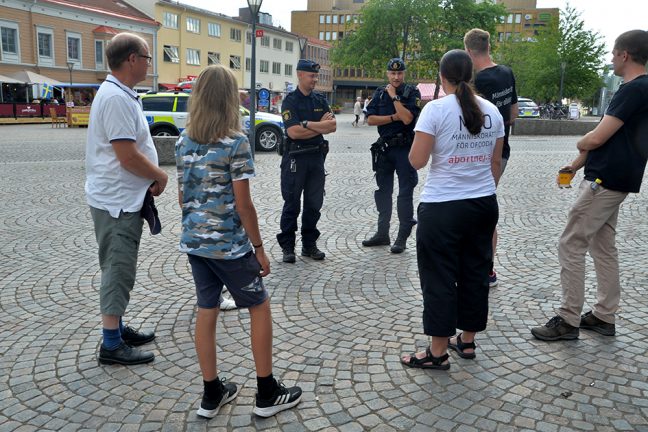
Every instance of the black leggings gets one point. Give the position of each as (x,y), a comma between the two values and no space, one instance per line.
(454,253)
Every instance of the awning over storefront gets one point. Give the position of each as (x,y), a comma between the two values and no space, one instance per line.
(427,91)
(7,80)
(30,77)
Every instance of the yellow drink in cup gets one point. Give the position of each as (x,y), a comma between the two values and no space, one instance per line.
(565,176)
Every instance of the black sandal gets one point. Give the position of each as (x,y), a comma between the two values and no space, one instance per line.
(420,363)
(460,346)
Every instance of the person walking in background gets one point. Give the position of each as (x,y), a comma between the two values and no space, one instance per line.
(496,84)
(121,166)
(394,109)
(614,156)
(220,234)
(357,111)
(307,118)
(364,109)
(463,134)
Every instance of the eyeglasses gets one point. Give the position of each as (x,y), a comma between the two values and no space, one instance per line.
(149,59)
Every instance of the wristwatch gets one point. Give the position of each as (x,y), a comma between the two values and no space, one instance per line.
(304,124)
(396,98)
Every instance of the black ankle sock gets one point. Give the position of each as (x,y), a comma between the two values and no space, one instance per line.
(213,388)
(266,386)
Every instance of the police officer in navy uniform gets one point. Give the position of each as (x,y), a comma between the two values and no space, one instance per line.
(307,117)
(394,109)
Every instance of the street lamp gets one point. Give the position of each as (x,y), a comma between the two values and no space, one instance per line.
(562,79)
(70,66)
(254,6)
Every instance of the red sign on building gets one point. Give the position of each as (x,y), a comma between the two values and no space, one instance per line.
(259,33)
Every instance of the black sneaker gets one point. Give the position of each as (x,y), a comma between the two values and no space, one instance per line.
(313,252)
(376,240)
(288,255)
(136,338)
(282,399)
(590,322)
(555,329)
(209,407)
(125,355)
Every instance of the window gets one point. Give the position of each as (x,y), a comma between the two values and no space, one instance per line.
(193,56)
(348,18)
(518,18)
(45,46)
(248,38)
(213,58)
(341,19)
(288,69)
(321,35)
(334,35)
(158,103)
(328,35)
(193,25)
(171,54)
(74,47)
(355,19)
(328,19)
(264,66)
(235,62)
(265,41)
(235,34)
(340,35)
(289,46)
(335,19)
(508,36)
(276,68)
(214,29)
(322,19)
(248,63)
(181,104)
(510,19)
(170,20)
(500,37)
(99,55)
(276,43)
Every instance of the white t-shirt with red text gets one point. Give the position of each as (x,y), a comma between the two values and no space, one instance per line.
(461,162)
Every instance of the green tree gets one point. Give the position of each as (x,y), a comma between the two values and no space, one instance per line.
(420,31)
(564,48)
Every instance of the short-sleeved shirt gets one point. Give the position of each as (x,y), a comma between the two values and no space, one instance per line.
(298,107)
(496,84)
(382,105)
(620,162)
(116,114)
(461,162)
(211,227)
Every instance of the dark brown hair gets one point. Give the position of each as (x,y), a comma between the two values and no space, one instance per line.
(635,43)
(457,68)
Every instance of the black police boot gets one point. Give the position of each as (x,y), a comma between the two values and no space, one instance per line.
(376,240)
(289,255)
(313,252)
(400,244)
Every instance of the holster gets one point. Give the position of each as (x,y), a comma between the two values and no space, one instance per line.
(378,150)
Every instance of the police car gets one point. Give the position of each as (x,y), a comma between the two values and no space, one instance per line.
(166,114)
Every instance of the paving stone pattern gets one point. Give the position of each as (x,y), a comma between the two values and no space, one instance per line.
(339,325)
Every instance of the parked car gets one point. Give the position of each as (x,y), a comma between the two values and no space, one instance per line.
(166,114)
(527,108)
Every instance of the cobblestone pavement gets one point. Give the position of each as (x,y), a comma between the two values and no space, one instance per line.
(339,325)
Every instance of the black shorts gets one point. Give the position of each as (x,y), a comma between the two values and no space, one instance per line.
(241,275)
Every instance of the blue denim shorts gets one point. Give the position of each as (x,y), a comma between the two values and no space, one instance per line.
(241,276)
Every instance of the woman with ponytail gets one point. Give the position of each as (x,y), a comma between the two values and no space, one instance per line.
(463,134)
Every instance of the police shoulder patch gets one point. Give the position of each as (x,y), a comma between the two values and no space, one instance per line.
(418,102)
(286,115)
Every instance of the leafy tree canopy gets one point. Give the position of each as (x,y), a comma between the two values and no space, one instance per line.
(420,31)
(538,64)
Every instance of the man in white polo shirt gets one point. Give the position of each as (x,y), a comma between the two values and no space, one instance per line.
(121,165)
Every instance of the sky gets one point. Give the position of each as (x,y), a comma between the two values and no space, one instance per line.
(608,17)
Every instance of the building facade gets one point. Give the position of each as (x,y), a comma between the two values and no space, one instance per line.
(62,44)
(191,39)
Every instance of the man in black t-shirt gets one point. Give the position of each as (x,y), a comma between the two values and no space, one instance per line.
(495,83)
(614,157)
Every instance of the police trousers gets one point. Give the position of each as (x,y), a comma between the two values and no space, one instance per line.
(305,177)
(395,159)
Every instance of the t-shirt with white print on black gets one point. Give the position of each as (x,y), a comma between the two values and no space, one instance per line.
(461,162)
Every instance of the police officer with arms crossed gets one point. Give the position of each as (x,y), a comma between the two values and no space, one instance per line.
(394,109)
(306,116)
